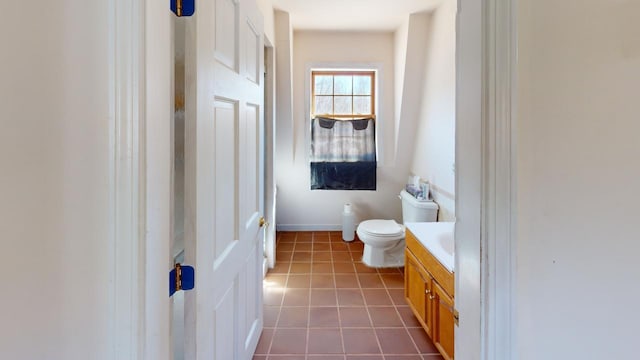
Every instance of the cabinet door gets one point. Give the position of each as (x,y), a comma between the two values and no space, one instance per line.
(417,290)
(443,322)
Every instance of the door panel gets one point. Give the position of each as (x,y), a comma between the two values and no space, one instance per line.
(224,133)
(252,159)
(252,60)
(253,310)
(225,323)
(227,42)
(226,196)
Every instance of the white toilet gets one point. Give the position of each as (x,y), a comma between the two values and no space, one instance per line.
(384,239)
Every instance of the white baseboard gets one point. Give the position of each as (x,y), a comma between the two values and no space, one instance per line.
(309,227)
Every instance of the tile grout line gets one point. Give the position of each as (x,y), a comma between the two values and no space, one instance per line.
(406,329)
(344,344)
(373,326)
(335,286)
(306,349)
(275,325)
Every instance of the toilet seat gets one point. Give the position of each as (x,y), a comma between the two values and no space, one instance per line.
(380,232)
(388,229)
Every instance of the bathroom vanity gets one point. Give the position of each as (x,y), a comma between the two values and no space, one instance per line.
(429,281)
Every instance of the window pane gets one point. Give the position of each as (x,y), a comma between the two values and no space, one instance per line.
(362,85)
(362,105)
(324,84)
(343,85)
(343,105)
(324,105)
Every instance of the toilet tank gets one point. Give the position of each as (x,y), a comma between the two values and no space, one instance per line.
(414,210)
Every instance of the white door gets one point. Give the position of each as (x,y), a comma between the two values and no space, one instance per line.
(223,179)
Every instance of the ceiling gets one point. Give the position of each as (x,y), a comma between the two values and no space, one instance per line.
(352,15)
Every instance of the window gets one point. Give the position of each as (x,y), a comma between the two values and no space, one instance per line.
(343,94)
(343,145)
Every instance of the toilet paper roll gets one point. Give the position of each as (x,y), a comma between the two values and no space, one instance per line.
(347,208)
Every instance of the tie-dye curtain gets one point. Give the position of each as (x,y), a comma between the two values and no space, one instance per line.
(343,154)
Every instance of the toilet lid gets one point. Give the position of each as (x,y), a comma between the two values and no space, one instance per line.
(381,227)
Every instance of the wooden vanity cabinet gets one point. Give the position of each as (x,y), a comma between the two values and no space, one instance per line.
(429,293)
(417,290)
(444,321)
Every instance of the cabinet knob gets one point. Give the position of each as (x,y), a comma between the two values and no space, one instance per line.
(427,291)
(431,297)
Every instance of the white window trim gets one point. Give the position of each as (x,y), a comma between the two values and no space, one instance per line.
(381,125)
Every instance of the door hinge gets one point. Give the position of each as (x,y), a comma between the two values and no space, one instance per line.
(183,7)
(456,317)
(181,277)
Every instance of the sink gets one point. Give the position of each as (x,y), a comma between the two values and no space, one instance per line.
(437,238)
(446,241)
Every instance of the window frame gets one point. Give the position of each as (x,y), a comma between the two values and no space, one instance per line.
(371,73)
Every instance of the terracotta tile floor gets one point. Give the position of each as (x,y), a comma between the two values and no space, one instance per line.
(322,303)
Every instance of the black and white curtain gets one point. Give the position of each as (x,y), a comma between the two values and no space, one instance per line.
(343,154)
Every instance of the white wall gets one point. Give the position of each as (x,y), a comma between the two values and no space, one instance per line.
(298,206)
(284,152)
(412,88)
(54,184)
(266,8)
(284,87)
(578,176)
(434,153)
(400,37)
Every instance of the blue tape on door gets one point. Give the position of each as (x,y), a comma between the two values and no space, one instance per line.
(186,281)
(183,7)
(188,277)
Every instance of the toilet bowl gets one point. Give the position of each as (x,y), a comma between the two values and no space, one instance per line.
(384,239)
(383,243)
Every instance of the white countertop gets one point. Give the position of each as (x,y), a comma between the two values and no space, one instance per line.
(437,237)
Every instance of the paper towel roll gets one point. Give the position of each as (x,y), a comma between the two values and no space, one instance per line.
(348,223)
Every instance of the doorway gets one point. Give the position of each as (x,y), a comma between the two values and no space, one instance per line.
(473,103)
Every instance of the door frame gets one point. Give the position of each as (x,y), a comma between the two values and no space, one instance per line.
(486,182)
(500,179)
(125,202)
(127,180)
(156,185)
(269,151)
(141,72)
